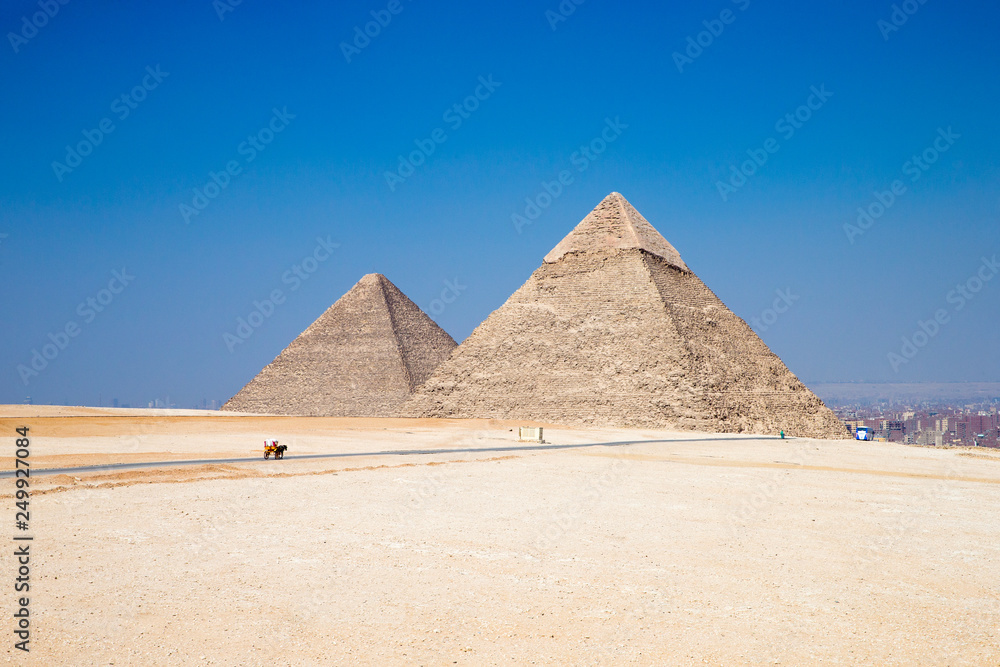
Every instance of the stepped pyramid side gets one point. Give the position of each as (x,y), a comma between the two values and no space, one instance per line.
(744,387)
(585,340)
(613,329)
(363,357)
(423,345)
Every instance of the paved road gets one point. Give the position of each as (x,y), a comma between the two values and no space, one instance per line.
(116,467)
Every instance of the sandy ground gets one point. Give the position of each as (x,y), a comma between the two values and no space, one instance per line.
(680,549)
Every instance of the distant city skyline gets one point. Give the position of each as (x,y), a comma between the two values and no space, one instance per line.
(928,423)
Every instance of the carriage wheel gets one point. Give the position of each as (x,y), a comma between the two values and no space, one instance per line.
(267,455)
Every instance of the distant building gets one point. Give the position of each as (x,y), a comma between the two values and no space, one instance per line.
(964,431)
(931,438)
(982,422)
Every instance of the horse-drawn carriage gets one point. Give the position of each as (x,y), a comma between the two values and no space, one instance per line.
(272,447)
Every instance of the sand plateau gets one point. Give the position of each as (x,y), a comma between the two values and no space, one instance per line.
(447,542)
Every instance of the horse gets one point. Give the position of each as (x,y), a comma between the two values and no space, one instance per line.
(272,447)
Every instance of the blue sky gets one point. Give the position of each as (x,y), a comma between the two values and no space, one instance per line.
(889,95)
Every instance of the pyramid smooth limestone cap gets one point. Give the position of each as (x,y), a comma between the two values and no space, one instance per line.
(615,224)
(374,281)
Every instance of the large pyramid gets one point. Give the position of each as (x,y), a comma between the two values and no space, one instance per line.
(614,329)
(363,357)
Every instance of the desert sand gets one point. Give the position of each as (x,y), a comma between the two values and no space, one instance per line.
(669,548)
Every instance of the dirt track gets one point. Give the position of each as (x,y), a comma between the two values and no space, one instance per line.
(703,549)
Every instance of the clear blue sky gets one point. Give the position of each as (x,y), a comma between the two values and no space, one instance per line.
(323,174)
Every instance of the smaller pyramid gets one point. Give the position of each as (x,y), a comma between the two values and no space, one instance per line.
(363,357)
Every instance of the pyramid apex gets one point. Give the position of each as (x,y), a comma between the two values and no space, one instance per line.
(376,281)
(615,224)
(361,358)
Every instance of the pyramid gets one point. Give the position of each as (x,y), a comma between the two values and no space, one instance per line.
(614,329)
(363,357)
